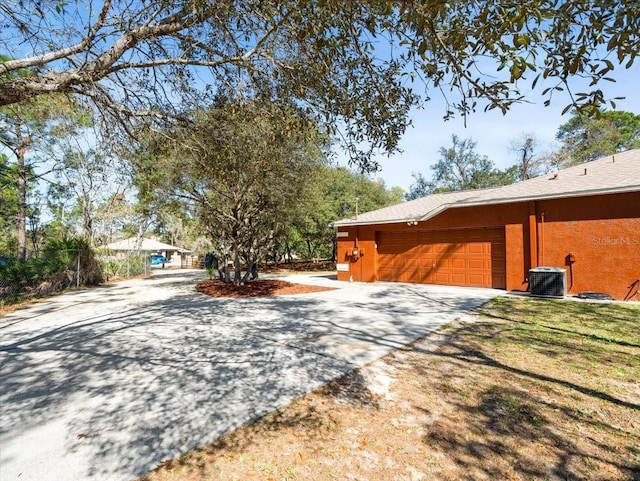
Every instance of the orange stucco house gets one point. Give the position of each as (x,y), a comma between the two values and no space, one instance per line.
(584,220)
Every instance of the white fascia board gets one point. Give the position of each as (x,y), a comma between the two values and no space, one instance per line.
(370,222)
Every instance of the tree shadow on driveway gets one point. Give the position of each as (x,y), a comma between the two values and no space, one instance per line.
(111,394)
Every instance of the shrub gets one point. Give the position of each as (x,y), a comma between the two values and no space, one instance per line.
(55,270)
(122,265)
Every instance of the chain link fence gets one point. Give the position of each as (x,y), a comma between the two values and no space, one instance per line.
(58,270)
(123,265)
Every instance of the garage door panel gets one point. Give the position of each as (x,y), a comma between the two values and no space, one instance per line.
(411,268)
(422,277)
(477,264)
(476,280)
(459,263)
(442,277)
(427,267)
(464,257)
(427,249)
(441,249)
(458,279)
(476,248)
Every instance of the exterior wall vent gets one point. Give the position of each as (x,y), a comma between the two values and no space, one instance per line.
(548,282)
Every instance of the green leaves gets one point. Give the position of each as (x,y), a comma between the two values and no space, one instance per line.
(554,40)
(242,169)
(587,138)
(460,168)
(355,64)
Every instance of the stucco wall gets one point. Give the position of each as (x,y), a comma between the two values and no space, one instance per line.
(513,216)
(602,232)
(603,235)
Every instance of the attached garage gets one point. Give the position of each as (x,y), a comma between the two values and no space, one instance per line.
(584,219)
(468,257)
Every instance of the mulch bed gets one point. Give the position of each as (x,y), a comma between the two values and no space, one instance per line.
(256,288)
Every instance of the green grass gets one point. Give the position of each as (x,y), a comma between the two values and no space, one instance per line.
(613,323)
(595,345)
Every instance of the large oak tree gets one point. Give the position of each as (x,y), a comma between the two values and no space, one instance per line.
(349,61)
(241,170)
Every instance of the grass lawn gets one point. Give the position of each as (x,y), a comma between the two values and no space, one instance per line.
(531,390)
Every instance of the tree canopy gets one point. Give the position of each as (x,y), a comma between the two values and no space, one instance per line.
(584,139)
(362,63)
(241,171)
(334,193)
(27,130)
(8,207)
(460,168)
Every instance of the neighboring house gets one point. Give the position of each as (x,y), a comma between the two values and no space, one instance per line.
(585,219)
(151,246)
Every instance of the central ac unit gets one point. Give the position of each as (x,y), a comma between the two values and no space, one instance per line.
(548,282)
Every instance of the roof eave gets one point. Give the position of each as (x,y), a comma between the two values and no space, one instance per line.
(444,207)
(403,220)
(578,193)
(342,223)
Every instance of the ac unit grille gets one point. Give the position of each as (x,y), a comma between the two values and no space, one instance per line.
(548,282)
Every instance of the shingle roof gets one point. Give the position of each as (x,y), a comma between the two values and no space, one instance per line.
(617,173)
(408,211)
(147,245)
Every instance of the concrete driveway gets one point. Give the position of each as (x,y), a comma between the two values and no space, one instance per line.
(106,383)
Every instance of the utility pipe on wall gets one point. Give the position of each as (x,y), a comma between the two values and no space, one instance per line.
(533,234)
(542,238)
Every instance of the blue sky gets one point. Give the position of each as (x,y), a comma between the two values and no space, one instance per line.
(493,131)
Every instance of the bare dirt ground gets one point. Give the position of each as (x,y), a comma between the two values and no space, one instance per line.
(527,391)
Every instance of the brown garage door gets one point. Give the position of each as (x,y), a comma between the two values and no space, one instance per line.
(457,257)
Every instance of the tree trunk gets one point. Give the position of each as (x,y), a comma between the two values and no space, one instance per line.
(222,273)
(252,270)
(245,277)
(87,221)
(34,234)
(142,228)
(288,250)
(222,265)
(227,274)
(22,194)
(237,268)
(22,201)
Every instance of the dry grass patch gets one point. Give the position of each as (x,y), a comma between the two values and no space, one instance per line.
(533,390)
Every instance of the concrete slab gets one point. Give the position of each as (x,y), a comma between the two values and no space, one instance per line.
(106,383)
